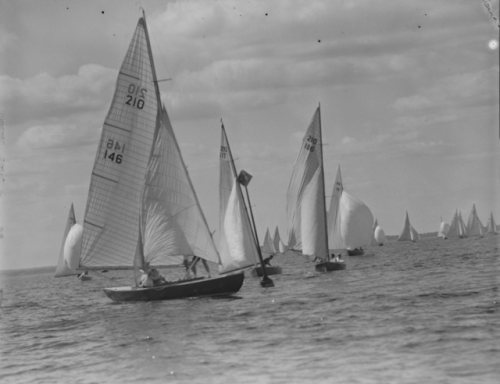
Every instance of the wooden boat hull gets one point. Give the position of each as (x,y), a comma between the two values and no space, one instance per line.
(217,286)
(270,270)
(328,266)
(356,252)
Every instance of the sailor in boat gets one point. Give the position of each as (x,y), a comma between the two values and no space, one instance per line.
(191,266)
(83,274)
(267,260)
(151,278)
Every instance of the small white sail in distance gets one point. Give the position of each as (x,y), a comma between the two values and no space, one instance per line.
(276,240)
(334,215)
(406,232)
(474,225)
(491,227)
(444,228)
(69,255)
(268,246)
(414,234)
(379,235)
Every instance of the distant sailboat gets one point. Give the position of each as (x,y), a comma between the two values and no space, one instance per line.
(142,209)
(491,227)
(306,210)
(406,233)
(374,241)
(69,255)
(474,225)
(462,226)
(268,246)
(379,235)
(444,228)
(276,240)
(246,257)
(356,224)
(350,221)
(414,234)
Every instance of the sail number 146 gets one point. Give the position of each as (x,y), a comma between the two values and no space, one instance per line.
(310,143)
(115,151)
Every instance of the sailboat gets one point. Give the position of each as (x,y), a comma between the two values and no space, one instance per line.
(250,255)
(414,234)
(474,225)
(406,233)
(268,246)
(491,227)
(350,221)
(373,242)
(462,226)
(276,240)
(142,210)
(306,210)
(69,255)
(379,235)
(444,228)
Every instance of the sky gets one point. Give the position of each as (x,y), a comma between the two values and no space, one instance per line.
(409,95)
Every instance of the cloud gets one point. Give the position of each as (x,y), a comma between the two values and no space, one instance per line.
(44,96)
(52,136)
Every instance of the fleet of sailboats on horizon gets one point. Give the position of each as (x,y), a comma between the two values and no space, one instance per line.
(142,210)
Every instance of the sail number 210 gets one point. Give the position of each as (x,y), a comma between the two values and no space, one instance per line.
(310,143)
(115,151)
(136,96)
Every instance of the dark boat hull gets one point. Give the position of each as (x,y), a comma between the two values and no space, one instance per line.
(270,270)
(355,252)
(328,266)
(217,286)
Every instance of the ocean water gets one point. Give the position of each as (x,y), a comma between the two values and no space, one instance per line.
(425,312)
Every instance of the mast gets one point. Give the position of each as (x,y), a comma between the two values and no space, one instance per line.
(266,281)
(323,189)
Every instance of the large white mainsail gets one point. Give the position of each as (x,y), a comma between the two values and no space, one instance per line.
(474,225)
(334,215)
(65,259)
(306,214)
(172,222)
(406,232)
(235,241)
(111,223)
(357,222)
